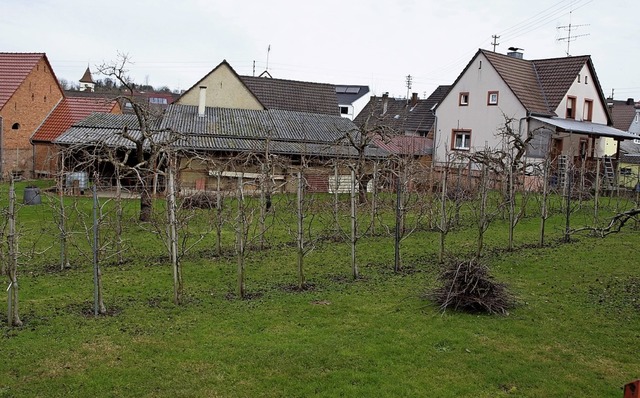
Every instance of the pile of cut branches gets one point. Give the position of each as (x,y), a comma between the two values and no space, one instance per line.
(200,200)
(467,285)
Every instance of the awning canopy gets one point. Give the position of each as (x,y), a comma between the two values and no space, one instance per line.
(575,126)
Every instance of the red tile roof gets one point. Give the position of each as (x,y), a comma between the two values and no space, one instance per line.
(68,112)
(14,68)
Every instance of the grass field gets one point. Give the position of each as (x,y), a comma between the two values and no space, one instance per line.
(574,332)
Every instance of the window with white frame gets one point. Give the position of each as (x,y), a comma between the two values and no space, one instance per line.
(461,140)
(492,98)
(464,99)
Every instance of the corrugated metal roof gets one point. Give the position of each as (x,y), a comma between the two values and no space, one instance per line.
(576,126)
(227,130)
(273,124)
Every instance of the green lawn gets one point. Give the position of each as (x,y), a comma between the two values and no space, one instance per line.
(574,332)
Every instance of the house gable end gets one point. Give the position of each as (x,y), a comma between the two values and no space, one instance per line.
(225,89)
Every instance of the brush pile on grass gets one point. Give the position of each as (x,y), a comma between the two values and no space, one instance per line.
(467,285)
(200,200)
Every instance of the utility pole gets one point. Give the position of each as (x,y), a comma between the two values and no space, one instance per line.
(409,80)
(495,42)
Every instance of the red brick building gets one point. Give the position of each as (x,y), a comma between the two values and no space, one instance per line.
(29,92)
(69,111)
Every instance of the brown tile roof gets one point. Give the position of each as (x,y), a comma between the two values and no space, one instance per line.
(87,78)
(14,68)
(68,112)
(400,116)
(556,76)
(291,95)
(540,84)
(622,113)
(520,76)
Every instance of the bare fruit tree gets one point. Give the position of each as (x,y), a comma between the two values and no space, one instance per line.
(146,144)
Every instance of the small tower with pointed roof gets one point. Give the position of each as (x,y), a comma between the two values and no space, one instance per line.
(86,82)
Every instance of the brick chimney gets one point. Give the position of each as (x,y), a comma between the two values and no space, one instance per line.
(414,99)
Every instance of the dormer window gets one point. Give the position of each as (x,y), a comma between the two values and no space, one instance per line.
(463,99)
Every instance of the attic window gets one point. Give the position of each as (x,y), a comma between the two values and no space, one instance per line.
(585,79)
(492,98)
(15,126)
(464,99)
(578,78)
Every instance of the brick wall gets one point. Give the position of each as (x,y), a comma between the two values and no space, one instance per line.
(26,110)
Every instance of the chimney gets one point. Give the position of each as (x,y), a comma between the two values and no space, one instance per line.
(202,101)
(385,102)
(630,101)
(414,99)
(515,52)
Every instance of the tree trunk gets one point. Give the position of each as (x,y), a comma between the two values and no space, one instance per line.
(240,242)
(544,211)
(98,301)
(374,199)
(173,231)
(119,217)
(336,198)
(482,214)
(354,226)
(567,227)
(512,206)
(596,199)
(219,216)
(146,199)
(64,244)
(13,316)
(444,227)
(300,236)
(398,229)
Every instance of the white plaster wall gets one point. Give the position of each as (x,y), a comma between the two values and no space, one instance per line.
(483,120)
(224,90)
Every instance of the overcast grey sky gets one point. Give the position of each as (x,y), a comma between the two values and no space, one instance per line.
(368,42)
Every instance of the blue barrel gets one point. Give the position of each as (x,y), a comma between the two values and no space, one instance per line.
(32,196)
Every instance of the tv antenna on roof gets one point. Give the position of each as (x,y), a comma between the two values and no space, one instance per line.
(568,37)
